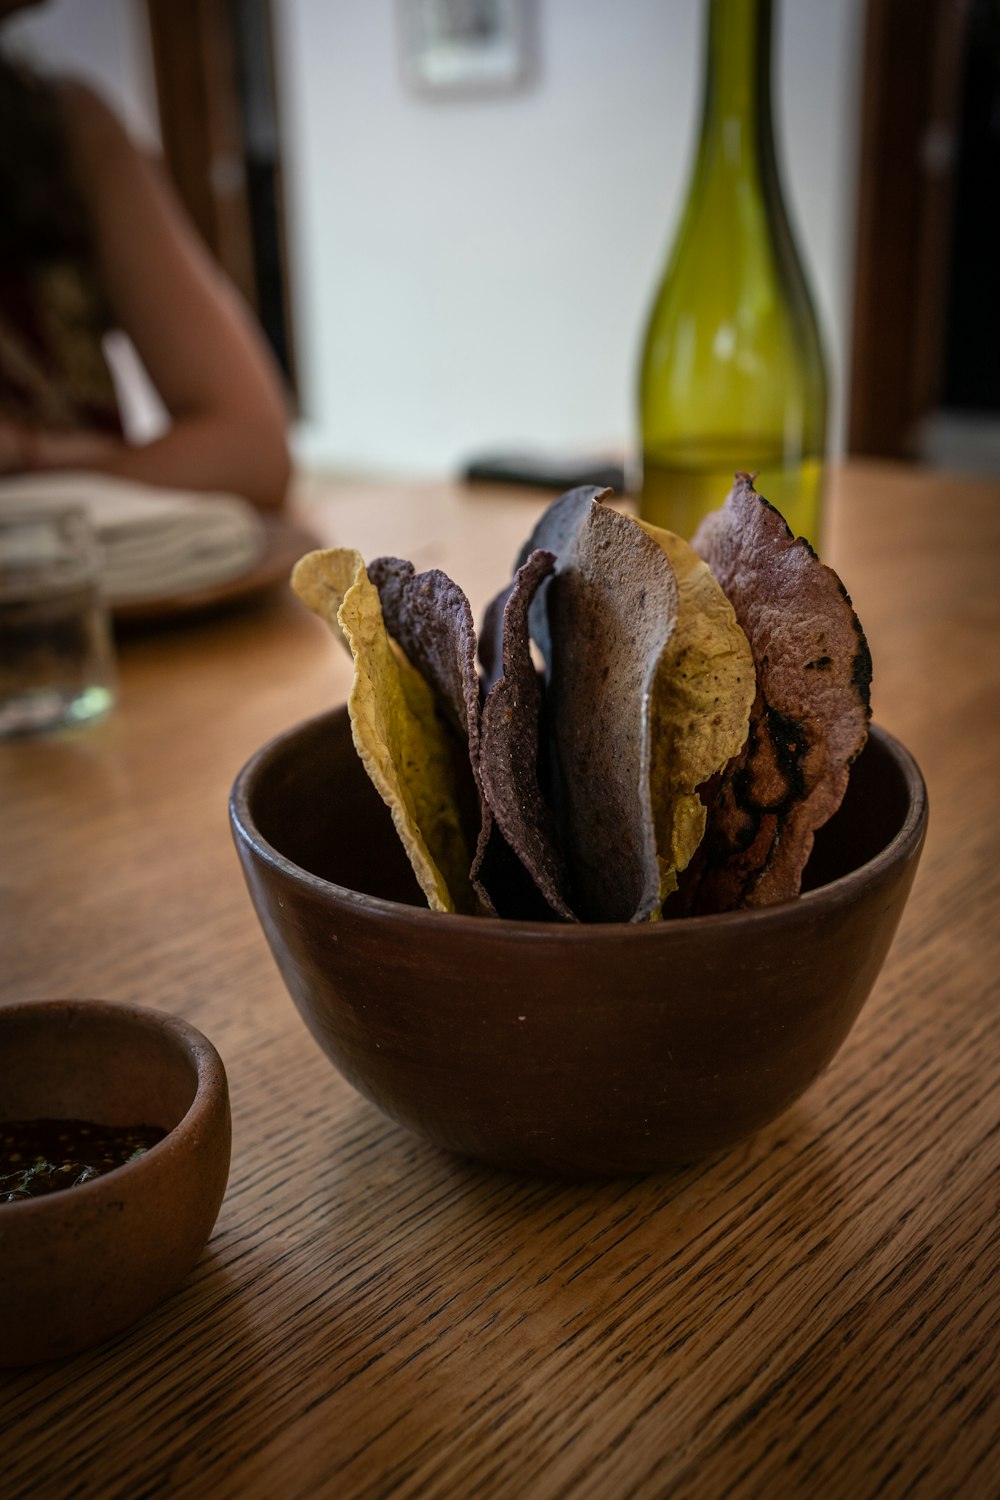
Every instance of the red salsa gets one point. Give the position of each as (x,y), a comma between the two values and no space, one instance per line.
(43,1156)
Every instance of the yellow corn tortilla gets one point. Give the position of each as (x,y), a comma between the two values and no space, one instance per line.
(702,697)
(403,745)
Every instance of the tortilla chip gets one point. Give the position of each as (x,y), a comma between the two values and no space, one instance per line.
(396,731)
(809,720)
(321,579)
(701,705)
(508,763)
(431,618)
(554,532)
(490,644)
(609,612)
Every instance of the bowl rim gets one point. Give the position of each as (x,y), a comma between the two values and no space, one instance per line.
(835,893)
(212,1085)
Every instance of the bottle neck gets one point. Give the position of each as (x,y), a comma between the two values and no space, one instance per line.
(737,135)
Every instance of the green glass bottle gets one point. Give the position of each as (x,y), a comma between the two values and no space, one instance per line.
(733,374)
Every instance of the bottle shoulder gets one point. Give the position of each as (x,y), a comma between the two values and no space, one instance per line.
(733,278)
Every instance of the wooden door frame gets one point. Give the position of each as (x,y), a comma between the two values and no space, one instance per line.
(911,98)
(195,65)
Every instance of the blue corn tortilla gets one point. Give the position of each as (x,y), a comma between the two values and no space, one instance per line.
(809,720)
(602,623)
(509,748)
(516,870)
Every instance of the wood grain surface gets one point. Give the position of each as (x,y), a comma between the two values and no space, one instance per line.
(813,1314)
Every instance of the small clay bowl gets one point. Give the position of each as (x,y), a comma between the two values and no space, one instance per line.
(591,1049)
(80,1264)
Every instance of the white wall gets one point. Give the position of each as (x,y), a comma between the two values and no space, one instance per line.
(475,273)
(818,120)
(102,41)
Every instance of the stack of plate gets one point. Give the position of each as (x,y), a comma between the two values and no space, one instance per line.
(155,543)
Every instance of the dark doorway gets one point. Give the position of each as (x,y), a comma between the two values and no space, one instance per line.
(912,89)
(926,319)
(215,84)
(971,367)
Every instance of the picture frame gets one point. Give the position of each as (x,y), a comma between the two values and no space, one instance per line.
(467,47)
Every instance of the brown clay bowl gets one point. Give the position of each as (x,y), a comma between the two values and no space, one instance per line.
(598,1049)
(83,1263)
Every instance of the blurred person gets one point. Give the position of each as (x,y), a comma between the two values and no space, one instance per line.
(93,240)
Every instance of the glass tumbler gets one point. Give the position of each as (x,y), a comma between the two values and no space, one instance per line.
(56,657)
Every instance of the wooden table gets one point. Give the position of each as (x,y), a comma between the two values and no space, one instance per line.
(815,1314)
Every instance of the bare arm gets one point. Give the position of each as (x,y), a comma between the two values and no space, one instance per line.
(199,344)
